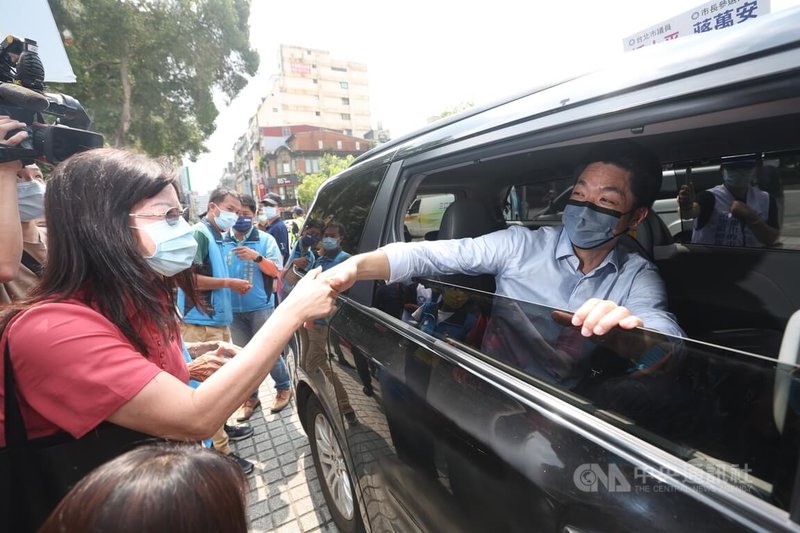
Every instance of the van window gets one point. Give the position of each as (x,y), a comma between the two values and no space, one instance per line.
(541,202)
(769,192)
(425,214)
(347,199)
(708,406)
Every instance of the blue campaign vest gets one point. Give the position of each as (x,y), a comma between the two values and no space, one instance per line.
(256,298)
(220,298)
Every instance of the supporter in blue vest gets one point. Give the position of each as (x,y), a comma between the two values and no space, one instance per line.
(211,319)
(254,256)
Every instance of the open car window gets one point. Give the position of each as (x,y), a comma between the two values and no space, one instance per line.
(713,407)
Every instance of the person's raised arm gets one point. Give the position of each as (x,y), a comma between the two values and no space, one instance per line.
(10,226)
(766,234)
(366,266)
(198,413)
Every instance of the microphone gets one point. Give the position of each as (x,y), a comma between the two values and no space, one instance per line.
(19,96)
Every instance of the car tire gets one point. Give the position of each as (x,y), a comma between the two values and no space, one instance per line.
(332,470)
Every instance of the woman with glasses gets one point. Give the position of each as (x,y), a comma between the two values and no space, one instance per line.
(96,349)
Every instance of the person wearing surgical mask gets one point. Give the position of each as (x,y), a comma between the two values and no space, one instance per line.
(96,352)
(269,220)
(577,267)
(30,205)
(208,317)
(331,244)
(734,213)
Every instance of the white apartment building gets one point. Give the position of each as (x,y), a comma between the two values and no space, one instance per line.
(314,88)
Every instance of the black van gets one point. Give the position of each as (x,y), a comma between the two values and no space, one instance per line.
(414,428)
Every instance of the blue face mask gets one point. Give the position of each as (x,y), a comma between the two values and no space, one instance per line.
(225,220)
(243,224)
(588,225)
(30,199)
(175,246)
(330,243)
(308,241)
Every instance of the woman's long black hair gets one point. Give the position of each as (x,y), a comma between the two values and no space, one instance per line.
(91,249)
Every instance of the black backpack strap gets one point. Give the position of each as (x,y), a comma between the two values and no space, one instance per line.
(32,264)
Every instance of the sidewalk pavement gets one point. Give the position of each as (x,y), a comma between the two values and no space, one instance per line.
(285,494)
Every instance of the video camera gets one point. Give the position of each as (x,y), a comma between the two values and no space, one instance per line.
(22,97)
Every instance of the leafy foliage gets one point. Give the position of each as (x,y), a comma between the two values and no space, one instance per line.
(329,165)
(453,110)
(146,69)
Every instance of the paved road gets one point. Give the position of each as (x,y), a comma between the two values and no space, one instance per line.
(285,495)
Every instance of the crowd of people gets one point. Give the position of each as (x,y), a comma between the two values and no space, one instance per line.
(125,327)
(119,320)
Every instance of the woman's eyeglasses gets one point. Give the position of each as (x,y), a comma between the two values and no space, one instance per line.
(172,215)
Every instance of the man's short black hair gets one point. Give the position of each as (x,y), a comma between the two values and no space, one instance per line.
(313,223)
(337,225)
(219,194)
(248,202)
(644,166)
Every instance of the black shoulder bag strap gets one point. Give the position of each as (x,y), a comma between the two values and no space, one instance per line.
(32,264)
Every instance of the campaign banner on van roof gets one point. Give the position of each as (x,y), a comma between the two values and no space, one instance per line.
(710,16)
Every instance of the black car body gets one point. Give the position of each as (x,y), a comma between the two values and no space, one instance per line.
(414,430)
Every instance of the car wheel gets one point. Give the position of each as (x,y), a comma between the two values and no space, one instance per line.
(332,470)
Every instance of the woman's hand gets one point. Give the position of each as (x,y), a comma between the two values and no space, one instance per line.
(204,366)
(312,297)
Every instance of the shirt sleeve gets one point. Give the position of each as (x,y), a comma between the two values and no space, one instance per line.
(772,216)
(487,254)
(647,299)
(74,367)
(706,202)
(273,252)
(202,247)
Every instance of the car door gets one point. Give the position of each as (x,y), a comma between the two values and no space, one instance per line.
(468,430)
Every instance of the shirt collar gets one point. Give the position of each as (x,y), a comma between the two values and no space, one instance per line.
(249,236)
(564,249)
(217,235)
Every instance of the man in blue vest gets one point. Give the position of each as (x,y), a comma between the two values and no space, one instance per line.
(254,256)
(211,319)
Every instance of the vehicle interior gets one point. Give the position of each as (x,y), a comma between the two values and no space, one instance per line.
(740,298)
(736,297)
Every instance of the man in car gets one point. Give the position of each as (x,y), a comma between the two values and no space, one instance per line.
(577,267)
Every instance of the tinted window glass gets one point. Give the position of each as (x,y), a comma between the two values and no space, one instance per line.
(720,410)
(425,214)
(347,199)
(538,202)
(721,216)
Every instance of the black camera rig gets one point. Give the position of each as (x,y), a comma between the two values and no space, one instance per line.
(23,97)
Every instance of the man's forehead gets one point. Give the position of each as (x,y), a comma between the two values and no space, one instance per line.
(606,176)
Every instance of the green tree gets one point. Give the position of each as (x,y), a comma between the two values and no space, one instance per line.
(329,165)
(452,110)
(146,69)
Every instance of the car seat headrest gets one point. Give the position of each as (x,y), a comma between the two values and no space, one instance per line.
(466,217)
